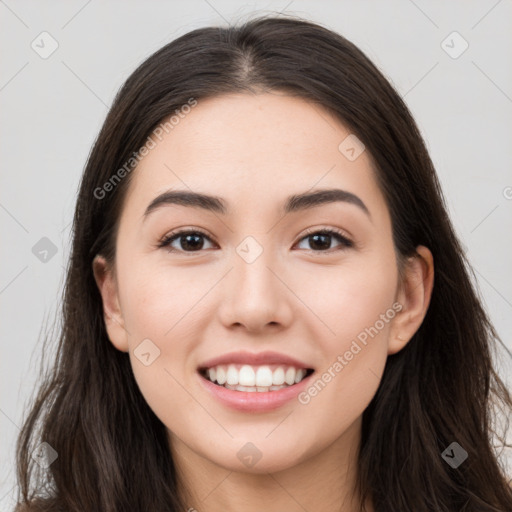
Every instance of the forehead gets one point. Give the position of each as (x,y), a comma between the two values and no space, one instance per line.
(251,148)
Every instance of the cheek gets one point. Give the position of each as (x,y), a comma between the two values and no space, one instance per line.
(162,303)
(155,298)
(359,311)
(349,298)
(354,306)
(155,309)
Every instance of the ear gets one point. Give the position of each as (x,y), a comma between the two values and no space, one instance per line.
(107,285)
(414,295)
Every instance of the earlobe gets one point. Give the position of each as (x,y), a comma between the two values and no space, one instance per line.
(107,285)
(414,295)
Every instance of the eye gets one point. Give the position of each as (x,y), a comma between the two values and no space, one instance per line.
(192,240)
(321,239)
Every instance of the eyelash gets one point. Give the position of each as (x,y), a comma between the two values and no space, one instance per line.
(175,235)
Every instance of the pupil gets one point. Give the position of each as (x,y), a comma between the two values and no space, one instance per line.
(315,239)
(193,245)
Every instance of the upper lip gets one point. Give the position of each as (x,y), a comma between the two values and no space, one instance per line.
(254,359)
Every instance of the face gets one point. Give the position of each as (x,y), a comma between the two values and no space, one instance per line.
(310,287)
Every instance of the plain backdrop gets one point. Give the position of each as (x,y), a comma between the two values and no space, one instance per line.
(54,105)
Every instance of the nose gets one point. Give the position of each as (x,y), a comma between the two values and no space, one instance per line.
(255,295)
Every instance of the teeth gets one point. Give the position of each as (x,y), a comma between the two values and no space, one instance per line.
(289,377)
(247,377)
(264,376)
(232,376)
(255,379)
(256,389)
(221,375)
(278,376)
(299,375)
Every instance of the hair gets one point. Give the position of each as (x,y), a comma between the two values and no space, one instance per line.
(113,452)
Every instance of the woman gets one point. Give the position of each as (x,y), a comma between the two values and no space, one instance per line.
(251,319)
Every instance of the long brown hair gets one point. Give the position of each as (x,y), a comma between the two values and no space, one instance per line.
(113,452)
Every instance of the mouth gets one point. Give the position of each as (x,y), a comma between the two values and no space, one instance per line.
(255,379)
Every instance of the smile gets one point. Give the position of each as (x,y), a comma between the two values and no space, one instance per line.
(255,379)
(254,382)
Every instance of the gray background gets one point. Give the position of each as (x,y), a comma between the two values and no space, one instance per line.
(53,109)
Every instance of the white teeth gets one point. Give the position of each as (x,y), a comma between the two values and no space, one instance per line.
(255,389)
(247,377)
(289,377)
(278,376)
(255,379)
(264,376)
(232,376)
(221,375)
(245,388)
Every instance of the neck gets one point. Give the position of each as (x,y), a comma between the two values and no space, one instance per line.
(323,482)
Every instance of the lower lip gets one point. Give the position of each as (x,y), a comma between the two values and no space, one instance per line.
(254,401)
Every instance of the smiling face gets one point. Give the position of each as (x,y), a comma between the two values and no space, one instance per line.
(256,276)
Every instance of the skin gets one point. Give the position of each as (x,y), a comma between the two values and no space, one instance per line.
(254,151)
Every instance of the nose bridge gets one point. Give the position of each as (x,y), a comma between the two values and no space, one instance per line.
(255,296)
(251,273)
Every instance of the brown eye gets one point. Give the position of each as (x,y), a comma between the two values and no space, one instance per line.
(320,241)
(190,241)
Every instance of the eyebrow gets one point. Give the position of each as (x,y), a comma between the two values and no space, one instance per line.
(294,203)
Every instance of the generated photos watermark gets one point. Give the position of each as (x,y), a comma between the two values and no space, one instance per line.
(151,143)
(344,359)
